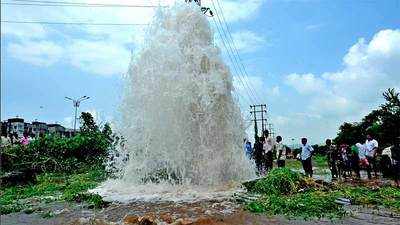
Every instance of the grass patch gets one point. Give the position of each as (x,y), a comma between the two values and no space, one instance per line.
(52,187)
(287,193)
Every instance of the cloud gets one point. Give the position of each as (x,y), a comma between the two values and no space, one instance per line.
(247,41)
(98,57)
(350,93)
(312,27)
(235,10)
(39,53)
(305,83)
(114,41)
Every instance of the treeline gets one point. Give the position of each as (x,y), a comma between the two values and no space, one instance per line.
(383,123)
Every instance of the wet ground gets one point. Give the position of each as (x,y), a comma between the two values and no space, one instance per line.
(205,212)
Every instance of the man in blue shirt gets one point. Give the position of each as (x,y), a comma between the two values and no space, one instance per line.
(305,156)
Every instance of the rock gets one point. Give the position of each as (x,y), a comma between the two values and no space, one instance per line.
(91,221)
(131,219)
(184,221)
(147,220)
(203,221)
(166,217)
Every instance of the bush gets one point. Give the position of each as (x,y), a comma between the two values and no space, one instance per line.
(56,154)
(278,181)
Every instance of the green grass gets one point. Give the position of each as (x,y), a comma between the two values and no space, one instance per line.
(52,187)
(284,193)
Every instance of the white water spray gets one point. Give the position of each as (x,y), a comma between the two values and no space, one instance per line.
(182,127)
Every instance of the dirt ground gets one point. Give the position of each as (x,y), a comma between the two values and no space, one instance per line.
(199,213)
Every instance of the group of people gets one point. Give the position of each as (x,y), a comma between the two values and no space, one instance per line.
(344,160)
(263,152)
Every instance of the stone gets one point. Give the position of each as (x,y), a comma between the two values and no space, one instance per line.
(131,219)
(184,221)
(166,217)
(147,220)
(203,221)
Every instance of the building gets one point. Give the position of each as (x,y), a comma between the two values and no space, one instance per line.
(39,128)
(4,129)
(56,129)
(16,126)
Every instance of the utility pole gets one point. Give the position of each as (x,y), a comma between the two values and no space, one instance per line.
(254,109)
(271,130)
(76,103)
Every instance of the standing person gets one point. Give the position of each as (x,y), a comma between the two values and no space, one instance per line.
(354,160)
(268,146)
(332,156)
(372,148)
(25,139)
(280,152)
(249,149)
(305,156)
(395,151)
(258,155)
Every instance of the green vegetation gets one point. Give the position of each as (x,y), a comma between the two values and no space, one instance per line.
(383,123)
(51,187)
(52,153)
(53,168)
(285,192)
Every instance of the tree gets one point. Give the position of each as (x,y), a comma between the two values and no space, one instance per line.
(88,123)
(383,123)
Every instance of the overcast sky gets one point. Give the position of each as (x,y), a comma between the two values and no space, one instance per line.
(316,63)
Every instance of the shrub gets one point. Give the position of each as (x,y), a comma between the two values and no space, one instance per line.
(278,181)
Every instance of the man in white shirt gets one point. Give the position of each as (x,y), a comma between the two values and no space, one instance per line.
(305,156)
(371,151)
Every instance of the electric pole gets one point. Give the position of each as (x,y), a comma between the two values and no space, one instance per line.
(261,110)
(76,103)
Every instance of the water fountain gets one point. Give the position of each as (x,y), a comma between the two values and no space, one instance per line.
(182,126)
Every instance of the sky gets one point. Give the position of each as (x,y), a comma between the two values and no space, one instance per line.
(315,63)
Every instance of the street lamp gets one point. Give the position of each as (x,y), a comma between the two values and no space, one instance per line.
(76,103)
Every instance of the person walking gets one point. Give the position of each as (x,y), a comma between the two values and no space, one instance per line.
(280,152)
(372,148)
(305,156)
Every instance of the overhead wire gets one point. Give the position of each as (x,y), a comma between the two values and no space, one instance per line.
(235,62)
(73,23)
(74,4)
(237,58)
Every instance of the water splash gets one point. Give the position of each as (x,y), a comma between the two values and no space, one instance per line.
(182,126)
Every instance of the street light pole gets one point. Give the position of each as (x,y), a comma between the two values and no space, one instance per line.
(76,103)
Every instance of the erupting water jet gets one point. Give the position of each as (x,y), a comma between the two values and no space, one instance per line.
(182,127)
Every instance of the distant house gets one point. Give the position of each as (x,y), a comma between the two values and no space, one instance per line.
(4,129)
(39,128)
(16,126)
(56,129)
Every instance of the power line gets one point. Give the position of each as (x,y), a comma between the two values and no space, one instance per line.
(230,57)
(74,23)
(72,4)
(237,58)
(241,75)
